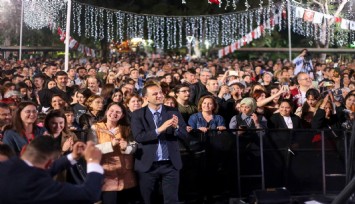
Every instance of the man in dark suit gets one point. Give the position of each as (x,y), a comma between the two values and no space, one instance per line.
(28,180)
(156,128)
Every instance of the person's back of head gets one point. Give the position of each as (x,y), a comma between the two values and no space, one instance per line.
(6,152)
(41,150)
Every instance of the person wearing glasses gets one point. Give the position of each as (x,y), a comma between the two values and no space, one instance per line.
(24,127)
(182,94)
(304,82)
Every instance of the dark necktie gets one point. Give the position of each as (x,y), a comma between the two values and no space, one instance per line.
(164,147)
(157,119)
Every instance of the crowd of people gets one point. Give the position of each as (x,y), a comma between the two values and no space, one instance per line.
(128,108)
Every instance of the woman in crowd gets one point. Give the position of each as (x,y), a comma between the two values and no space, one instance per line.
(94,113)
(24,127)
(57,102)
(132,102)
(117,96)
(119,177)
(57,127)
(72,124)
(247,118)
(344,109)
(309,108)
(273,105)
(106,93)
(50,84)
(80,107)
(207,117)
(284,118)
(170,101)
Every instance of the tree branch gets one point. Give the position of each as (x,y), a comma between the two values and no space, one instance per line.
(340,8)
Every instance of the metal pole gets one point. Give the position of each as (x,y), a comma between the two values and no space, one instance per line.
(289,30)
(20,51)
(67,36)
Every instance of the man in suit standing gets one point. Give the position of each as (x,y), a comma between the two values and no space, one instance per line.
(156,128)
(28,179)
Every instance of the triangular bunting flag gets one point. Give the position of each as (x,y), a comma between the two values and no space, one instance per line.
(318,18)
(344,24)
(226,50)
(308,15)
(220,53)
(299,12)
(233,47)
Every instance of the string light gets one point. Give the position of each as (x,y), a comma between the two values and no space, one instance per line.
(170,32)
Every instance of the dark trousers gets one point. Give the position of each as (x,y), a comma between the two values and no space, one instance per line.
(127,196)
(169,176)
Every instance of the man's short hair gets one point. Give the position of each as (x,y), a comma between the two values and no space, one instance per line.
(4,105)
(192,71)
(6,150)
(40,76)
(79,68)
(41,149)
(61,73)
(179,86)
(145,88)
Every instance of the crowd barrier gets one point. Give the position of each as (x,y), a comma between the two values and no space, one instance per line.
(233,163)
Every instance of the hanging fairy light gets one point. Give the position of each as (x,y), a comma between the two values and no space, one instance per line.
(39,14)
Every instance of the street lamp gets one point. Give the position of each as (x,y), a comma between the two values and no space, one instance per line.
(189,40)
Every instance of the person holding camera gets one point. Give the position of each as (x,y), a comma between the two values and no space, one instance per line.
(303,63)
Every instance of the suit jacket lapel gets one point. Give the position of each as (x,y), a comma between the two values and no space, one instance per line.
(149,117)
(294,122)
(282,121)
(164,114)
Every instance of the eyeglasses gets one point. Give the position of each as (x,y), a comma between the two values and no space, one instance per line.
(184,91)
(31,111)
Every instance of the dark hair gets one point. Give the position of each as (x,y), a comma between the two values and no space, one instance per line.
(287,101)
(107,90)
(55,114)
(47,82)
(85,92)
(145,88)
(122,122)
(60,73)
(16,120)
(77,70)
(4,105)
(171,98)
(68,109)
(41,149)
(40,76)
(6,150)
(179,86)
(313,92)
(351,93)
